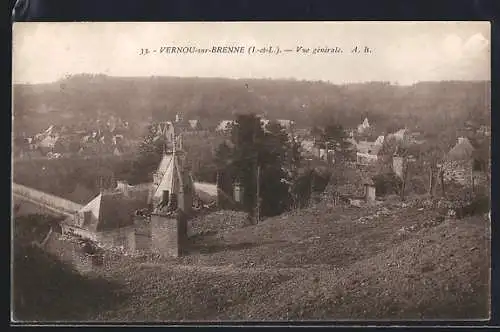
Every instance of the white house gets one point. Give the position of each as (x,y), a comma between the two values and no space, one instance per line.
(367,152)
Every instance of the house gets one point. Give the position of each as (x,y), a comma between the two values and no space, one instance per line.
(363,126)
(484,130)
(286,124)
(224,125)
(380,140)
(107,219)
(462,165)
(107,211)
(48,141)
(367,152)
(195,124)
(328,156)
(401,136)
(117,139)
(307,145)
(264,122)
(349,133)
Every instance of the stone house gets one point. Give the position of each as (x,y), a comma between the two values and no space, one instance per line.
(106,219)
(462,165)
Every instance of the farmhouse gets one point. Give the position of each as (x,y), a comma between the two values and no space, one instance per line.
(462,164)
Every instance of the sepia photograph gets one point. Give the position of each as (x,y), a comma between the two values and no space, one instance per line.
(250,172)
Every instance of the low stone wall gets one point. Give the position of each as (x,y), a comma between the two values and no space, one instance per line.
(44,198)
(458,171)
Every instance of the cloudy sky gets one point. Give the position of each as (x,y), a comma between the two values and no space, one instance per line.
(402,52)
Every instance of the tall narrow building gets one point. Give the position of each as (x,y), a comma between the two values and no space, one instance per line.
(172,201)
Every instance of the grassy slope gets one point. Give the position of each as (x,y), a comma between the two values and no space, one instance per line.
(313,265)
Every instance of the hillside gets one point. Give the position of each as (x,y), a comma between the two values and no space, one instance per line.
(319,263)
(78,98)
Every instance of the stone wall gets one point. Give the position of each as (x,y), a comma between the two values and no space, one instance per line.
(45,198)
(458,171)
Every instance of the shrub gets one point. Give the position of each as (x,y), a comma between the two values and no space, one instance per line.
(479,204)
(387,183)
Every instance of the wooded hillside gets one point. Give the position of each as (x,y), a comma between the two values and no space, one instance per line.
(429,105)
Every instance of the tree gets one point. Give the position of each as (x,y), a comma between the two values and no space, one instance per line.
(149,156)
(429,156)
(223,162)
(335,138)
(260,162)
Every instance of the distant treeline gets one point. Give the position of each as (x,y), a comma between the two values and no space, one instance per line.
(430,105)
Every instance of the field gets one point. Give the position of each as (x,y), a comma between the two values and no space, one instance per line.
(328,263)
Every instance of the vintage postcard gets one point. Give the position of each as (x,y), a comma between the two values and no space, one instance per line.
(258,171)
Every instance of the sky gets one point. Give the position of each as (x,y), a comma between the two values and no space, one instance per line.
(401,52)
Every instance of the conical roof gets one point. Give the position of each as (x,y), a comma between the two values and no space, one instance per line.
(172,176)
(169,180)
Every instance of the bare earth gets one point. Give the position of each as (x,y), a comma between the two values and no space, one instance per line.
(319,263)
